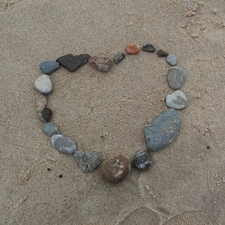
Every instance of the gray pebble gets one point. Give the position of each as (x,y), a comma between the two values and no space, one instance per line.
(148,48)
(43,84)
(118,57)
(63,144)
(49,128)
(87,161)
(142,160)
(49,67)
(176,100)
(176,77)
(162,130)
(172,60)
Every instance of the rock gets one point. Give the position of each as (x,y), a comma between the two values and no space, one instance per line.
(49,128)
(162,130)
(172,60)
(87,161)
(73,62)
(45,115)
(118,57)
(176,77)
(162,53)
(116,169)
(49,67)
(148,48)
(63,144)
(142,160)
(133,49)
(101,63)
(41,102)
(43,84)
(177,100)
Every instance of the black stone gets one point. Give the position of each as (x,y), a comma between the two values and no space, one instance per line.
(46,114)
(73,62)
(162,53)
(118,57)
(148,48)
(142,160)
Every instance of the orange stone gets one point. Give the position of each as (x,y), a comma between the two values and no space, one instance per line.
(133,49)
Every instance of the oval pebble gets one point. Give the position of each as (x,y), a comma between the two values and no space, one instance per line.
(43,84)
(176,77)
(118,57)
(48,67)
(176,100)
(49,128)
(133,49)
(172,60)
(148,48)
(141,160)
(45,115)
(162,130)
(63,144)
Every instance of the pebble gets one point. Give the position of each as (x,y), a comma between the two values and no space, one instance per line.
(48,67)
(162,53)
(63,144)
(176,77)
(41,102)
(172,60)
(118,57)
(73,62)
(49,128)
(141,160)
(43,84)
(162,130)
(116,169)
(101,63)
(176,100)
(133,49)
(148,48)
(45,115)
(87,161)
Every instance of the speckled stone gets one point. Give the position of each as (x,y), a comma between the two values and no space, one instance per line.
(41,102)
(87,161)
(45,115)
(162,130)
(148,48)
(162,53)
(141,160)
(172,60)
(116,169)
(118,57)
(176,77)
(63,144)
(176,100)
(49,128)
(48,67)
(43,84)
(100,63)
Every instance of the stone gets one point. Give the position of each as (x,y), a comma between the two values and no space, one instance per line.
(148,48)
(45,115)
(63,144)
(176,77)
(172,60)
(48,67)
(100,63)
(71,62)
(49,128)
(43,84)
(118,57)
(87,161)
(116,169)
(141,160)
(41,102)
(133,49)
(162,130)
(162,53)
(176,100)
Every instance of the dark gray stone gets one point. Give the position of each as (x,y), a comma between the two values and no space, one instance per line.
(49,128)
(118,57)
(176,77)
(45,115)
(148,48)
(162,130)
(49,67)
(162,53)
(141,160)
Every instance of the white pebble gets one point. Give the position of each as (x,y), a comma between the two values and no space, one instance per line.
(43,84)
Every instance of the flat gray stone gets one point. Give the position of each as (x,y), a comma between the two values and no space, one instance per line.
(162,130)
(172,60)
(49,128)
(49,67)
(176,100)
(43,84)
(176,77)
(118,57)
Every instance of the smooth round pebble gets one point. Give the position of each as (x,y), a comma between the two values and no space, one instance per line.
(176,77)
(48,67)
(148,48)
(162,53)
(141,160)
(43,84)
(118,57)
(172,60)
(41,102)
(176,100)
(49,128)
(63,144)
(45,115)
(116,169)
(100,63)
(133,49)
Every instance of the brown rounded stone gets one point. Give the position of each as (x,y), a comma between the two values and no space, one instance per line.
(162,53)
(116,169)
(133,49)
(41,102)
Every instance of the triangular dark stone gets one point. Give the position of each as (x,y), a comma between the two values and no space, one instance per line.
(73,62)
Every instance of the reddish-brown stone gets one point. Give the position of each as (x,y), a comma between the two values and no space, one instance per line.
(133,49)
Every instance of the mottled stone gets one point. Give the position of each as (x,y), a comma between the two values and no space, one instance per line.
(43,84)
(162,130)
(162,53)
(87,161)
(172,60)
(176,77)
(63,144)
(118,57)
(45,115)
(41,102)
(148,48)
(100,63)
(176,100)
(116,169)
(49,67)
(133,49)
(49,128)
(73,62)
(141,160)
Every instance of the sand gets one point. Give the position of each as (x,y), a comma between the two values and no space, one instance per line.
(108,112)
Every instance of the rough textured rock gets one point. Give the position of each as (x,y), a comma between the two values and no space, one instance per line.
(133,49)
(48,67)
(172,60)
(118,57)
(148,48)
(162,53)
(141,160)
(176,100)
(100,63)
(49,128)
(43,84)
(176,77)
(41,102)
